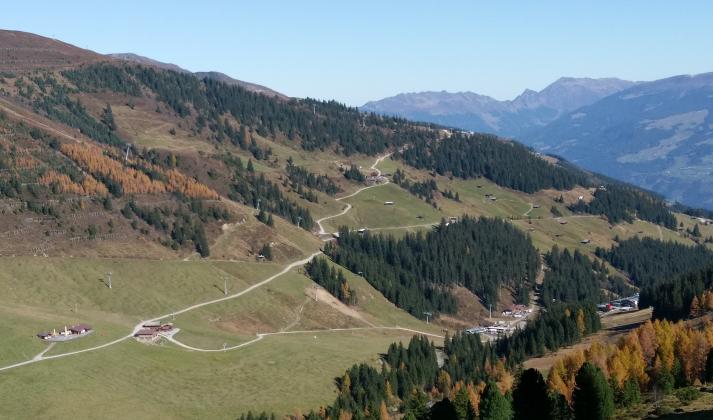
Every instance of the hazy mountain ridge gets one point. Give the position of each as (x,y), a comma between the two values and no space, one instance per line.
(475,112)
(658,135)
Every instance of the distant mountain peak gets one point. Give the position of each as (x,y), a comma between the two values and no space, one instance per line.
(473,111)
(658,135)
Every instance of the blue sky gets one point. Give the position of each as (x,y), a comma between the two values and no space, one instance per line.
(361,50)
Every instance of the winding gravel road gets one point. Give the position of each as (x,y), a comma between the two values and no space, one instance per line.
(41,356)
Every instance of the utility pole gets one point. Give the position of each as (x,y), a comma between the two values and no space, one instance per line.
(109,276)
(299,219)
(258,205)
(225,285)
(126,157)
(491,311)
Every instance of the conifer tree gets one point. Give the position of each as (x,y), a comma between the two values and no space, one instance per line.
(530,400)
(592,398)
(108,118)
(709,367)
(494,405)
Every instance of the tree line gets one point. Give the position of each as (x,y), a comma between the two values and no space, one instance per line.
(299,176)
(332,279)
(669,274)
(573,277)
(417,271)
(656,357)
(508,164)
(314,124)
(421,189)
(619,202)
(258,192)
(179,224)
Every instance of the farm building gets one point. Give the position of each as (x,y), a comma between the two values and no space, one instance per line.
(75,331)
(151,329)
(146,334)
(80,329)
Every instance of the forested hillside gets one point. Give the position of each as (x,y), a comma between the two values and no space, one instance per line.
(316,124)
(508,164)
(416,272)
(647,260)
(619,202)
(573,277)
(669,274)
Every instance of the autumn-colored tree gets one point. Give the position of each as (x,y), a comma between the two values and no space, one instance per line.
(383,411)
(474,393)
(503,376)
(61,183)
(581,326)
(132,181)
(345,415)
(708,295)
(443,383)
(647,340)
(389,392)
(695,310)
(665,337)
(346,384)
(562,374)
(598,354)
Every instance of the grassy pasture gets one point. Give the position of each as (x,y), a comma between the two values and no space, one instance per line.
(281,373)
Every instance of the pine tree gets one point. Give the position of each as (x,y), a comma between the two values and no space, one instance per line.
(444,410)
(108,118)
(530,400)
(201,241)
(266,251)
(463,406)
(560,407)
(592,398)
(696,231)
(629,394)
(494,405)
(709,367)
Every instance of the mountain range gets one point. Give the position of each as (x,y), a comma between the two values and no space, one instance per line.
(657,135)
(512,118)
